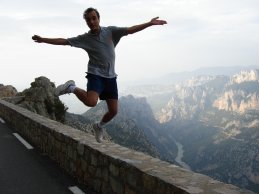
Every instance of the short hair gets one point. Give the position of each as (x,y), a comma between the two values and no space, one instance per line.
(90,9)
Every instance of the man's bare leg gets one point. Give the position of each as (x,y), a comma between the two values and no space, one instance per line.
(109,115)
(89,98)
(112,105)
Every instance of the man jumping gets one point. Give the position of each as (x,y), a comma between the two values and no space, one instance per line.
(99,42)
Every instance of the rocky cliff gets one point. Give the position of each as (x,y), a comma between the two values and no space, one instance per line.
(7,91)
(192,97)
(245,76)
(239,93)
(216,120)
(39,98)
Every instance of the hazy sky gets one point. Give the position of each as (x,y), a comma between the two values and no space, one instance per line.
(199,33)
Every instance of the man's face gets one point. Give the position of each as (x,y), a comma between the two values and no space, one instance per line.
(92,21)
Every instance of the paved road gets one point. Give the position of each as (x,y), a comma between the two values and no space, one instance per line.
(24,170)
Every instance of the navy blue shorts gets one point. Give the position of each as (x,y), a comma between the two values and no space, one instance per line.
(105,87)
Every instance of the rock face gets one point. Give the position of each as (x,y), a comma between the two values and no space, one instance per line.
(229,101)
(7,91)
(241,94)
(39,98)
(191,98)
(237,94)
(245,76)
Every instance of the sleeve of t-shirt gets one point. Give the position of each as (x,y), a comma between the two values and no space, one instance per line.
(77,41)
(117,33)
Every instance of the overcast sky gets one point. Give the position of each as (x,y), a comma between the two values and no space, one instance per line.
(199,33)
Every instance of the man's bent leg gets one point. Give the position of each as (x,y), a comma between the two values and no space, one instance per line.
(89,98)
(112,110)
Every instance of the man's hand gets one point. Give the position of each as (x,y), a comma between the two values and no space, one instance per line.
(37,38)
(155,21)
(137,28)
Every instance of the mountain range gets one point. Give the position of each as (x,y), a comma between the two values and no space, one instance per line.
(206,121)
(214,118)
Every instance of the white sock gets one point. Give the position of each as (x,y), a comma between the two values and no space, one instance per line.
(72,88)
(101,124)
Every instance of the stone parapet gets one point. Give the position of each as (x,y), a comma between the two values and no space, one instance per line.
(108,168)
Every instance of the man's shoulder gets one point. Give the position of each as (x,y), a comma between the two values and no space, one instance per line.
(106,28)
(116,29)
(81,35)
(110,28)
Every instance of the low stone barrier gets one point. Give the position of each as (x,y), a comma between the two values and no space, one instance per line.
(107,167)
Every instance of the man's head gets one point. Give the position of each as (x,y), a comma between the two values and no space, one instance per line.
(92,18)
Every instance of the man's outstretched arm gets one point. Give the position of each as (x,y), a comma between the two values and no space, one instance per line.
(137,28)
(55,41)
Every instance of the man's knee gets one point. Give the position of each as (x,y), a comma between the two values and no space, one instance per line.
(91,103)
(88,98)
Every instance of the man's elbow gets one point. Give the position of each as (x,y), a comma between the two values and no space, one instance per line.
(65,42)
(130,31)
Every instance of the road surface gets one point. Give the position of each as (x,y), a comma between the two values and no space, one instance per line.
(25,170)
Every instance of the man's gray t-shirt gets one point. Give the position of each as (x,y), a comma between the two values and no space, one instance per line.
(100,49)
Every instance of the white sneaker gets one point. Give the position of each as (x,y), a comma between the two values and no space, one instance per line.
(98,132)
(63,88)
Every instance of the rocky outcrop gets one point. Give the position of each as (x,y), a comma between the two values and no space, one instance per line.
(191,98)
(39,98)
(245,76)
(237,101)
(241,94)
(236,94)
(184,104)
(7,91)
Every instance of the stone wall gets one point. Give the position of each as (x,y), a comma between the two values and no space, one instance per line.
(108,168)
